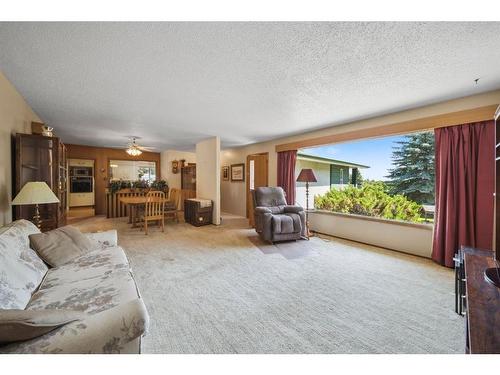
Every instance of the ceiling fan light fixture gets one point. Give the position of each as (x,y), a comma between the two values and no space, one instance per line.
(133,149)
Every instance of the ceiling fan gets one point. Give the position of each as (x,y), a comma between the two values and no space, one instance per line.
(133,149)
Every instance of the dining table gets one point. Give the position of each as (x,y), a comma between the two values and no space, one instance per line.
(134,202)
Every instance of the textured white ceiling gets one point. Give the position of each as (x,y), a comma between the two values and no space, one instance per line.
(176,83)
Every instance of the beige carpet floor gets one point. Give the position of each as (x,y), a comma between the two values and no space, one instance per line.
(222,290)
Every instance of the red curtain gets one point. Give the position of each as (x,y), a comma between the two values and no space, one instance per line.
(286,173)
(465,168)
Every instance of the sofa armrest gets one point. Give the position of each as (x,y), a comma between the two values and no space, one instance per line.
(105,239)
(293,209)
(106,332)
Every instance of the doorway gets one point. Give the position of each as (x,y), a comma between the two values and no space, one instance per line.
(257,175)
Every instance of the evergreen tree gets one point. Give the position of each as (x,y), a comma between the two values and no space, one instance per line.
(359,177)
(414,171)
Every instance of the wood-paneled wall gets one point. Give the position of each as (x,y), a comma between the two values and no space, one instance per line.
(101,157)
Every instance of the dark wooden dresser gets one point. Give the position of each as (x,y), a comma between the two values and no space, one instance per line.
(480,301)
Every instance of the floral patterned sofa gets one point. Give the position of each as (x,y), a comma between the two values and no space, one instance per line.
(99,283)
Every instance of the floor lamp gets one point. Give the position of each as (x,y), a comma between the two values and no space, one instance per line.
(35,193)
(307,175)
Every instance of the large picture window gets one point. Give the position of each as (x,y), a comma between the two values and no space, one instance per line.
(389,177)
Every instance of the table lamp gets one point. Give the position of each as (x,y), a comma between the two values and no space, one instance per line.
(35,193)
(307,175)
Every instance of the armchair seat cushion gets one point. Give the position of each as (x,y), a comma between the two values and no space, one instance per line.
(286,223)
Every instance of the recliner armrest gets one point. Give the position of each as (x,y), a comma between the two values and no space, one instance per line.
(293,209)
(263,216)
(262,210)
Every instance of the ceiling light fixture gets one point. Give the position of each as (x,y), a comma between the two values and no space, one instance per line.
(133,149)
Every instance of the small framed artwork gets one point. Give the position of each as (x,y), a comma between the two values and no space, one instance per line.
(225,173)
(238,172)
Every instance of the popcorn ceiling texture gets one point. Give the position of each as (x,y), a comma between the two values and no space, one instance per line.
(177,83)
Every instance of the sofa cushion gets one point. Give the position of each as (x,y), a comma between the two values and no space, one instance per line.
(94,282)
(20,325)
(94,265)
(61,245)
(21,270)
(286,223)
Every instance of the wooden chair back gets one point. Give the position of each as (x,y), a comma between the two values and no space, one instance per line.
(155,203)
(174,198)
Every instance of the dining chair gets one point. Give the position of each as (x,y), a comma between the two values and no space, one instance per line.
(154,210)
(173,205)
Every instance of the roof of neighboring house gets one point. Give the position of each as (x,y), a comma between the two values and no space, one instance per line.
(321,159)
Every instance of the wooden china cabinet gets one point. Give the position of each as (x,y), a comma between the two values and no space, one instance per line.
(41,158)
(188,177)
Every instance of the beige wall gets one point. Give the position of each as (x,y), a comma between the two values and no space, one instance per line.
(406,237)
(208,173)
(174,180)
(15,117)
(322,173)
(233,194)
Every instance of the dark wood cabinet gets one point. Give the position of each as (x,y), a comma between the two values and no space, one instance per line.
(478,300)
(40,158)
(188,177)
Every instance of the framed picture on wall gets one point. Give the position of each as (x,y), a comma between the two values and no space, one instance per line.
(225,173)
(238,172)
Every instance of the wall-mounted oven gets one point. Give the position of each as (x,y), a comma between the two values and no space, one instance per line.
(77,171)
(81,185)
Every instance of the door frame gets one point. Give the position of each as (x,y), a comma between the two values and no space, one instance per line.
(247,184)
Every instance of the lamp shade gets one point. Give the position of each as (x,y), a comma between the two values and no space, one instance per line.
(306,175)
(35,193)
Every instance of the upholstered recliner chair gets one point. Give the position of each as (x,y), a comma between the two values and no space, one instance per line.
(274,219)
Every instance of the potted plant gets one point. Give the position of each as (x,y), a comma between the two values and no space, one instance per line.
(140,184)
(116,185)
(160,185)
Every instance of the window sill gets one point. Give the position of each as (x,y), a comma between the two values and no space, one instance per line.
(427,226)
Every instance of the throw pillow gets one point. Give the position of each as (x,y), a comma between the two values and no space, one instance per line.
(61,245)
(20,325)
